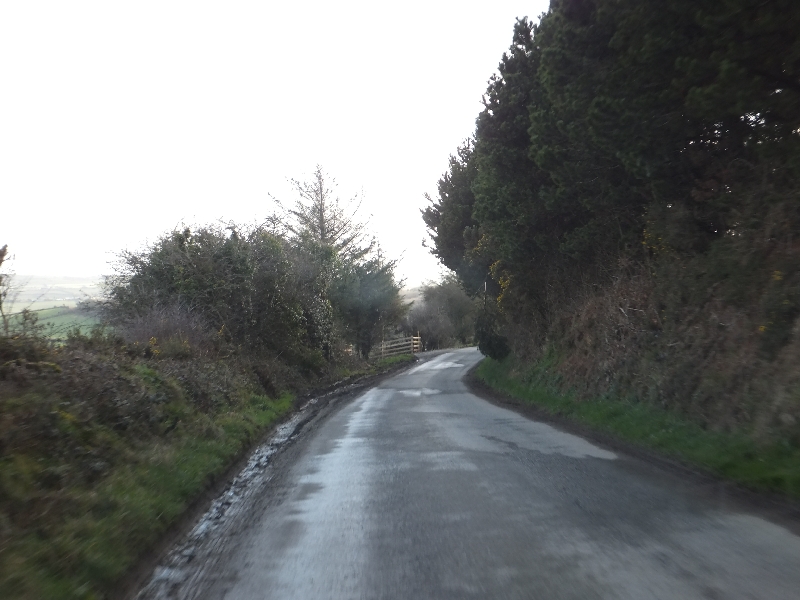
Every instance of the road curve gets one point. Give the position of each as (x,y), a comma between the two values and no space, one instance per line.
(418,489)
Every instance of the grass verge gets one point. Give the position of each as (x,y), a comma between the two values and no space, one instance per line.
(75,539)
(390,361)
(103,447)
(773,467)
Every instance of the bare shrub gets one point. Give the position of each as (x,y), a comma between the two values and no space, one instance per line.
(171,329)
(432,324)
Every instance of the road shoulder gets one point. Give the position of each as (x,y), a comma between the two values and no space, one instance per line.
(773,507)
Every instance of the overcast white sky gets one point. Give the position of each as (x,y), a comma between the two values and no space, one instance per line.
(120,120)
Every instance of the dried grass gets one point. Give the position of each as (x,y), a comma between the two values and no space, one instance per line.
(705,360)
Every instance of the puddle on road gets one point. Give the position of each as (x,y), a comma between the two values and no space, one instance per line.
(419,392)
(447,461)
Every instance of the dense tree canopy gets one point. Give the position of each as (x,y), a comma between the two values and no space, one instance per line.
(653,130)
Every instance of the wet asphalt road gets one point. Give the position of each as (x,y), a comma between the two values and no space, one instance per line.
(418,489)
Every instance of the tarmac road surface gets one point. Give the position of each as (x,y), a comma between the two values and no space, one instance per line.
(418,489)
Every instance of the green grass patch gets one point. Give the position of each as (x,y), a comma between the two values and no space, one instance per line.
(766,467)
(393,360)
(83,536)
(58,321)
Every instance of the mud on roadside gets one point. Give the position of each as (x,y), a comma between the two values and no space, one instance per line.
(199,538)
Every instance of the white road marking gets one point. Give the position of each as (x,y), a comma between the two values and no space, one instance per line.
(436,364)
(420,392)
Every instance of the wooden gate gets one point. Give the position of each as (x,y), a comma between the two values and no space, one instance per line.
(408,345)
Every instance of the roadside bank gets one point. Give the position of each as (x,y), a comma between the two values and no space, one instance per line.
(107,452)
(772,470)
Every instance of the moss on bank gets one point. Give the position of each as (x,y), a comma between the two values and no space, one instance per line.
(770,466)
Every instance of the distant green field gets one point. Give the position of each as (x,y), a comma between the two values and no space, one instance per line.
(59,320)
(40,305)
(36,292)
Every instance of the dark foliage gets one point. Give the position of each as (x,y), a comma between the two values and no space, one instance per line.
(630,137)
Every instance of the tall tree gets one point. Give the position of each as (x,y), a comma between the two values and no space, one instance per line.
(320,217)
(454,233)
(353,288)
